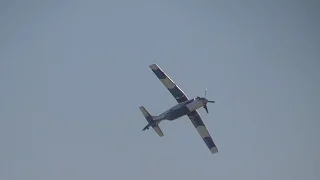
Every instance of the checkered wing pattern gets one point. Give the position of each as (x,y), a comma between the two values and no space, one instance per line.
(196,120)
(176,92)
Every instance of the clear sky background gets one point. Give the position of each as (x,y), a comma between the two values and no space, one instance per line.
(73,74)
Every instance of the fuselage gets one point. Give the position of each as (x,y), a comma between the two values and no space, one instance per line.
(182,109)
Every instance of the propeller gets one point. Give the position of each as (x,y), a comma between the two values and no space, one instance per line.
(205,106)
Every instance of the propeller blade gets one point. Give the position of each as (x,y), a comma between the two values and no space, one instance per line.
(205,93)
(206,108)
(211,101)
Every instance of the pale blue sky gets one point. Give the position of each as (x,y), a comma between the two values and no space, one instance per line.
(73,74)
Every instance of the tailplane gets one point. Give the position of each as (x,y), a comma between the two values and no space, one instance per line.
(151,122)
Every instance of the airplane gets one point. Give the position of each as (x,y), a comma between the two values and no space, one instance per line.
(184,107)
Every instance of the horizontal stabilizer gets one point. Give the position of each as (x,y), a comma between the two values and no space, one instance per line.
(151,122)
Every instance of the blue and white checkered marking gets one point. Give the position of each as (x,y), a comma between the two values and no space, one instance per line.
(150,120)
(202,130)
(177,93)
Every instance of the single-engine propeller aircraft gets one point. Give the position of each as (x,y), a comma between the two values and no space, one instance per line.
(184,107)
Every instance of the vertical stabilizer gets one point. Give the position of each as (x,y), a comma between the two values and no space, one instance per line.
(151,122)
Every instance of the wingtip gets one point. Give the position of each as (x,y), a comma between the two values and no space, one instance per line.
(214,150)
(154,66)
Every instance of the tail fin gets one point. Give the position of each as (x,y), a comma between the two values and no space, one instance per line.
(151,122)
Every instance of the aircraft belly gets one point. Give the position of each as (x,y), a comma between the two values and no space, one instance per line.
(194,105)
(177,113)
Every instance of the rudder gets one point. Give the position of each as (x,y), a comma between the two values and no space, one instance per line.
(150,120)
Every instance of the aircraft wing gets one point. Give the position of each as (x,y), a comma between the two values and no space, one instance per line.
(196,120)
(180,96)
(176,92)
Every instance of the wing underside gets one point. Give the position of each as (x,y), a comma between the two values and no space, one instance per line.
(180,96)
(202,130)
(176,92)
